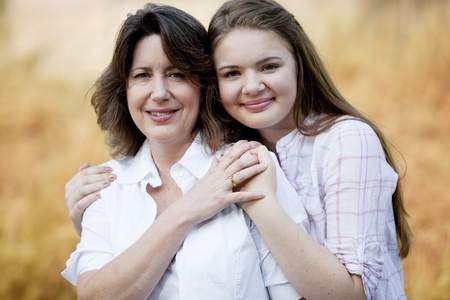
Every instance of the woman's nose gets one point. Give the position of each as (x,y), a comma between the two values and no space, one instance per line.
(160,89)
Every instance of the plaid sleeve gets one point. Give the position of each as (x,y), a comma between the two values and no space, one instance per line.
(358,185)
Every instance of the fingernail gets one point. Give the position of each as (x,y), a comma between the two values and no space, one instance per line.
(108,169)
(106,182)
(112,177)
(97,195)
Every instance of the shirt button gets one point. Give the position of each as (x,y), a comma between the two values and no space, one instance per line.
(281,144)
(360,241)
(181,173)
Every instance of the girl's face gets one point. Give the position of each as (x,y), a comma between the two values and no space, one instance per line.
(257,75)
(164,103)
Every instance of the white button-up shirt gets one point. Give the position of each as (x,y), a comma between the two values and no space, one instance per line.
(221,258)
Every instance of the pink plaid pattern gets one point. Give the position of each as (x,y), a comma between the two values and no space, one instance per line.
(346,186)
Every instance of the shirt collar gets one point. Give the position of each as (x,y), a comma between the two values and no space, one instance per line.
(196,160)
(291,137)
(141,166)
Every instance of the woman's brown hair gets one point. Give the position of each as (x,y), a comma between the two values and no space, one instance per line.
(316,93)
(184,42)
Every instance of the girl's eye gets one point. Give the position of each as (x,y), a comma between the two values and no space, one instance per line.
(232,74)
(270,67)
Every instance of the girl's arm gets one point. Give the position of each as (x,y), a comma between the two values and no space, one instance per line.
(314,271)
(83,189)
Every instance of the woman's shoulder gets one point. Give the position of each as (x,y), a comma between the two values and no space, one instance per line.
(119,165)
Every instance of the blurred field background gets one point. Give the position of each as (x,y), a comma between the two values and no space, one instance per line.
(390,58)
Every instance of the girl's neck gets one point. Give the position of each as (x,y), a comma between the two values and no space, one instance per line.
(270,137)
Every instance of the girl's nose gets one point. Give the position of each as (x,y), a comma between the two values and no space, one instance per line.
(253,84)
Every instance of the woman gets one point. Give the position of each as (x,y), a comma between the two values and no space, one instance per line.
(167,227)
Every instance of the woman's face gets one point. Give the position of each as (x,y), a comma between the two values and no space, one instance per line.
(164,103)
(257,75)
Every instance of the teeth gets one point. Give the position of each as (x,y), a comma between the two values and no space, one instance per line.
(159,114)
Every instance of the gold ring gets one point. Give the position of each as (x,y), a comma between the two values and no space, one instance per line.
(232,181)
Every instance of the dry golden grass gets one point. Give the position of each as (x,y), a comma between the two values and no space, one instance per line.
(390,58)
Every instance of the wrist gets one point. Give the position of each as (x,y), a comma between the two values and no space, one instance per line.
(269,202)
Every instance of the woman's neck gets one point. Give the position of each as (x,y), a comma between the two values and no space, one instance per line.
(166,154)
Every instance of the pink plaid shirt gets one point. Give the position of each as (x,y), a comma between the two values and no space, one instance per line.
(346,186)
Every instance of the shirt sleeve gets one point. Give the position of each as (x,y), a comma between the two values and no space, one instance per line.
(358,184)
(94,249)
(276,282)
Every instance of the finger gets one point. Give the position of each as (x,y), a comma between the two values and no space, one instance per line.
(234,153)
(95,178)
(238,143)
(255,144)
(247,173)
(76,213)
(240,197)
(95,170)
(90,188)
(263,155)
(84,166)
(86,201)
(246,160)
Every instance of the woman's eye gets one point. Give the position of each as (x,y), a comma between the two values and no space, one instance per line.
(141,75)
(177,75)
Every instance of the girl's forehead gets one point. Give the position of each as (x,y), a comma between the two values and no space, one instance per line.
(252,42)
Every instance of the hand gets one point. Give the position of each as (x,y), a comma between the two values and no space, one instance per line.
(265,181)
(83,189)
(214,191)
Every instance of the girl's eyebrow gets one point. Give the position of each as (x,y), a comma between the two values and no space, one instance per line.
(267,59)
(261,61)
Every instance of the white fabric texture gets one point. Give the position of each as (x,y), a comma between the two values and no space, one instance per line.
(221,258)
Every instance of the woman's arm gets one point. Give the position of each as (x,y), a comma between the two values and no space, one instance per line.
(135,273)
(314,271)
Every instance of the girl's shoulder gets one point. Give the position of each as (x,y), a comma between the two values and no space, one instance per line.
(349,126)
(348,133)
